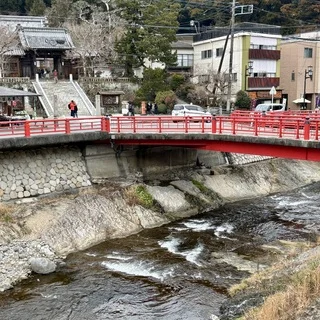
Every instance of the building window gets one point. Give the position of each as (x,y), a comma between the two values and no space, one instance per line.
(293,76)
(185,60)
(308,52)
(262,47)
(219,52)
(263,74)
(206,54)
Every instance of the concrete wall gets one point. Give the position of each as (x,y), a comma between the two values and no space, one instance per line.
(150,163)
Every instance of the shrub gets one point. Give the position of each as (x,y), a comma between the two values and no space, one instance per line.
(168,98)
(162,108)
(242,100)
(138,195)
(175,81)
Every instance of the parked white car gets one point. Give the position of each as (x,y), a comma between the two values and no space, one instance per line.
(273,107)
(189,110)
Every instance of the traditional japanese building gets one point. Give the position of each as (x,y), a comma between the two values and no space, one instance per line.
(40,50)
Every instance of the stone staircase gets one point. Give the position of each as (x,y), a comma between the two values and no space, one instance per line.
(58,95)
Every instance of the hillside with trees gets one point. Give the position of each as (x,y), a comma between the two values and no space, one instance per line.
(292,15)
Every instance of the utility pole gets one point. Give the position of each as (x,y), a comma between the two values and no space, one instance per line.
(231,54)
(242,9)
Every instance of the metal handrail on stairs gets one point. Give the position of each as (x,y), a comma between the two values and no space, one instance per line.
(90,107)
(43,97)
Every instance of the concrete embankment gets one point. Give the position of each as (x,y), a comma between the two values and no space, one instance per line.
(79,218)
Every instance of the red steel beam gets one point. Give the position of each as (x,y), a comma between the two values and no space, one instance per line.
(289,152)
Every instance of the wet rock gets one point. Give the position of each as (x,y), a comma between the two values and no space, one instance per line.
(42,265)
(234,308)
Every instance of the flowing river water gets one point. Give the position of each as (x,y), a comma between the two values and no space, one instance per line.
(177,271)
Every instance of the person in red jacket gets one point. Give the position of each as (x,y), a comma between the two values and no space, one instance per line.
(73,108)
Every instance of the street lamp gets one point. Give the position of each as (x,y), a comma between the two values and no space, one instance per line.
(249,70)
(193,23)
(308,73)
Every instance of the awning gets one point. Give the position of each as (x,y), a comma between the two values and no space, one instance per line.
(8,92)
(301,100)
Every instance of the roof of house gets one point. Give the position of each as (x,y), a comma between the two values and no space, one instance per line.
(45,38)
(182,45)
(111,93)
(24,21)
(8,92)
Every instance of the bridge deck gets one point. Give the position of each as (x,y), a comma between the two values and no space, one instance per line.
(283,136)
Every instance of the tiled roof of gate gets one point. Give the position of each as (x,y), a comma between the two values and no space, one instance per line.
(8,92)
(45,38)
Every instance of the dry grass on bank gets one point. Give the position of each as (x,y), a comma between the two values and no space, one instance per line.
(6,212)
(293,285)
(302,290)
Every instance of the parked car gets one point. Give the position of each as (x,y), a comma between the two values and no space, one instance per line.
(20,115)
(273,107)
(4,120)
(190,110)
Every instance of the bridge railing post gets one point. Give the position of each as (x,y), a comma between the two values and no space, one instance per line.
(255,126)
(306,129)
(68,129)
(214,124)
(233,125)
(27,132)
(105,124)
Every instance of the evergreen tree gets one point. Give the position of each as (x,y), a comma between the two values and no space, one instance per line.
(38,8)
(154,80)
(12,7)
(150,31)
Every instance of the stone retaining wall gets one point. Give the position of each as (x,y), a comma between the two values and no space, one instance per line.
(241,158)
(35,172)
(30,173)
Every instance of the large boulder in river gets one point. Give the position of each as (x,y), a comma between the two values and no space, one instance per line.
(42,265)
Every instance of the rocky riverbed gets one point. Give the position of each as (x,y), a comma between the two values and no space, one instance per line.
(53,226)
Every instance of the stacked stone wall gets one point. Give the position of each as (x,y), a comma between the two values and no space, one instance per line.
(241,158)
(31,173)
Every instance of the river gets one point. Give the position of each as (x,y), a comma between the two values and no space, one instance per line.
(178,271)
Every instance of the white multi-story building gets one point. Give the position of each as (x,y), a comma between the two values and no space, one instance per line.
(255,60)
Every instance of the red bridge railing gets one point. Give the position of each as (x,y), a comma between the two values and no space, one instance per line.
(303,127)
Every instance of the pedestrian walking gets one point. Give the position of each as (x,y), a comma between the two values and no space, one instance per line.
(131,109)
(73,109)
(76,111)
(55,76)
(155,108)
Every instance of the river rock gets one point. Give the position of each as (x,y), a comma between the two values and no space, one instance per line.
(42,265)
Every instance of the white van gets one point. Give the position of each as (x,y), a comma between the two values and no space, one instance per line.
(189,110)
(273,107)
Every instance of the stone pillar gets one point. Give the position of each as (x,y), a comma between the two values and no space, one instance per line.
(55,106)
(98,104)
(143,108)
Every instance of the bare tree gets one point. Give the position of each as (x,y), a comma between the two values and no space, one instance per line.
(94,35)
(9,41)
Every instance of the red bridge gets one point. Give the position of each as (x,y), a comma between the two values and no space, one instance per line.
(284,135)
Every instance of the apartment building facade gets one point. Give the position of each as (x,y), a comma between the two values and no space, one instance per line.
(255,61)
(300,70)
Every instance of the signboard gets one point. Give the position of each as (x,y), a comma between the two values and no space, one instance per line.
(273,91)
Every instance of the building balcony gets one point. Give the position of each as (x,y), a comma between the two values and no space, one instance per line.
(258,54)
(261,83)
